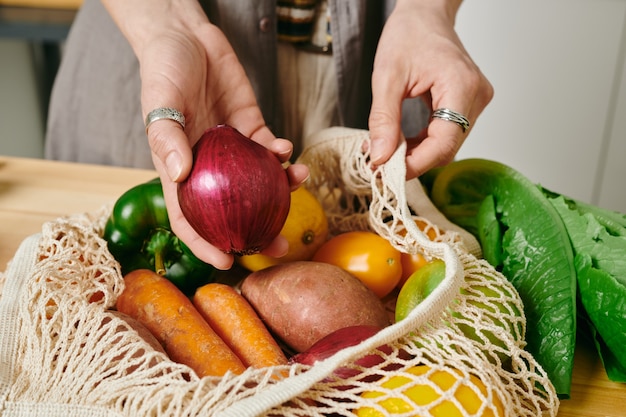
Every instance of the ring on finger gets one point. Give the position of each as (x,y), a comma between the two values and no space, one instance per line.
(165,113)
(452,116)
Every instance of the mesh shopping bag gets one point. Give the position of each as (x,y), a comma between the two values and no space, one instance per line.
(65,351)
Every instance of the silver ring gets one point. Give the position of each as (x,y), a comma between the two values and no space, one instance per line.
(452,116)
(165,113)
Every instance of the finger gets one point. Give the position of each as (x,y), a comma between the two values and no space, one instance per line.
(252,125)
(277,248)
(298,174)
(438,144)
(431,152)
(170,145)
(385,118)
(183,230)
(282,148)
(441,140)
(202,249)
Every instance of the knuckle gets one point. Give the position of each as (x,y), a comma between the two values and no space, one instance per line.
(158,141)
(379,117)
(447,150)
(479,86)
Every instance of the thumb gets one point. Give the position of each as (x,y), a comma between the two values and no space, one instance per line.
(384,122)
(170,146)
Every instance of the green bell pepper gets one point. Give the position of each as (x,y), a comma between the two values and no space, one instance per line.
(139,236)
(522,235)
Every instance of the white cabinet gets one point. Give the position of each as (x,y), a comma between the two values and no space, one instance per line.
(559,110)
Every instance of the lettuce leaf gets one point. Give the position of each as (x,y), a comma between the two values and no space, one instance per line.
(599,243)
(522,235)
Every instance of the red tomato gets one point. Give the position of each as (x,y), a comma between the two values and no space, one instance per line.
(367,256)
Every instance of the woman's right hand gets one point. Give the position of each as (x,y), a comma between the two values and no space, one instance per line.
(186,63)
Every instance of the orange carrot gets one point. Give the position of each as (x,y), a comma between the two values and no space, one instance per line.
(171,317)
(236,322)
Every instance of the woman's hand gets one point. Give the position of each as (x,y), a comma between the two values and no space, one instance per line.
(186,63)
(420,55)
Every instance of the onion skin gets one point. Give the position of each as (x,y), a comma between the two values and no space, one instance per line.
(237,195)
(341,339)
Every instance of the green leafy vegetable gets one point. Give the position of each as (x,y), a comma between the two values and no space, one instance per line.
(599,241)
(522,233)
(490,231)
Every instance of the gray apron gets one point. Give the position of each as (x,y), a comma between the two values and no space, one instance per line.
(95,111)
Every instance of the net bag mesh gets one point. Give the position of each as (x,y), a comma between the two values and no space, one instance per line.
(64,350)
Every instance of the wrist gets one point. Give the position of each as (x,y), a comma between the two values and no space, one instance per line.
(141,21)
(443,8)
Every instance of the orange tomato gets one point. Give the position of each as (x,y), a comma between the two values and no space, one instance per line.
(422,225)
(431,232)
(367,256)
(410,263)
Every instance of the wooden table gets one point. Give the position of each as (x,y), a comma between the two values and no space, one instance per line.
(35,191)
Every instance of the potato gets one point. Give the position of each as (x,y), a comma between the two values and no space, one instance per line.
(301,302)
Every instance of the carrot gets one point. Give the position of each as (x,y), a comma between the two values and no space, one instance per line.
(236,322)
(171,317)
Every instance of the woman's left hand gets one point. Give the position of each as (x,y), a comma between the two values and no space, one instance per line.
(420,55)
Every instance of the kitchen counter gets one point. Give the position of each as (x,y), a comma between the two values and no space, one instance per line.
(44,4)
(33,21)
(35,191)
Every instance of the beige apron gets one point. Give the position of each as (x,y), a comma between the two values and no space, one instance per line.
(307,85)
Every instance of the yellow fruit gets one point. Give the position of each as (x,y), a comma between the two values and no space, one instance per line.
(423,394)
(306,229)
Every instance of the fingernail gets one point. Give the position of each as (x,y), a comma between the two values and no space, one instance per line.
(174,165)
(375,153)
(283,248)
(301,183)
(308,176)
(285,152)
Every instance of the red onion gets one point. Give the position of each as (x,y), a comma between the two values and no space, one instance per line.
(341,339)
(237,195)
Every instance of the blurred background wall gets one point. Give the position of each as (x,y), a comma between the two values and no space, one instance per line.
(559,110)
(558,115)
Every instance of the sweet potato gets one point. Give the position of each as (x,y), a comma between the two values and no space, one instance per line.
(301,302)
(236,322)
(170,316)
